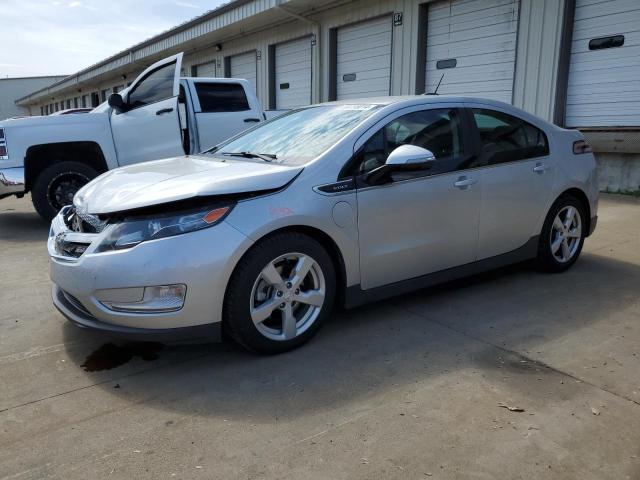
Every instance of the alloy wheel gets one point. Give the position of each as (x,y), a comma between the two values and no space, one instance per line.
(566,233)
(287,296)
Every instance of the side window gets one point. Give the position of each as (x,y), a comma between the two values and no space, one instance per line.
(436,130)
(506,138)
(222,97)
(156,86)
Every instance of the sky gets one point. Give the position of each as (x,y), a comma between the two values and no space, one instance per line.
(61,37)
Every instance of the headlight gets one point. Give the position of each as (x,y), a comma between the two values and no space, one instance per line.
(135,230)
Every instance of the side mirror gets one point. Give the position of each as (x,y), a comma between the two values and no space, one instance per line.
(116,102)
(405,158)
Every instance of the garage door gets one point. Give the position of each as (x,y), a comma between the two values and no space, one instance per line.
(245,66)
(293,73)
(473,43)
(604,73)
(206,70)
(364,59)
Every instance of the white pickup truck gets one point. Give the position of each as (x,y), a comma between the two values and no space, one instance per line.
(159,115)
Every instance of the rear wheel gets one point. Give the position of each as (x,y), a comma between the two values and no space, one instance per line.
(280,293)
(562,235)
(56,185)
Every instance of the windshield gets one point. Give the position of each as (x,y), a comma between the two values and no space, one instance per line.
(300,136)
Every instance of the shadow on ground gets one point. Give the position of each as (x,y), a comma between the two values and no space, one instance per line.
(18,226)
(365,352)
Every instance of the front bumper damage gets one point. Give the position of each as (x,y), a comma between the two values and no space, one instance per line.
(87,283)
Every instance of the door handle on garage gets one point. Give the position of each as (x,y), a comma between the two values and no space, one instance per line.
(164,110)
(540,168)
(251,120)
(463,183)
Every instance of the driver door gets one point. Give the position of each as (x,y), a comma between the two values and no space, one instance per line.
(149,128)
(423,221)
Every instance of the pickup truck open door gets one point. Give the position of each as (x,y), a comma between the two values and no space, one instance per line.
(148,127)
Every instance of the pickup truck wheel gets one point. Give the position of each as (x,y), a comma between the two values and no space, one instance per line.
(55,186)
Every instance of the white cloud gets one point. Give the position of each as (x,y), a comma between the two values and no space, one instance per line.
(62,37)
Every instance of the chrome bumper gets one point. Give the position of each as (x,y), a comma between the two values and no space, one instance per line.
(11,181)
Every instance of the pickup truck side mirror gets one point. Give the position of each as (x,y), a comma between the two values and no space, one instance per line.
(117,103)
(405,158)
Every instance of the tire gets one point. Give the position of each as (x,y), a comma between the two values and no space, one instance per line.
(55,186)
(255,292)
(559,245)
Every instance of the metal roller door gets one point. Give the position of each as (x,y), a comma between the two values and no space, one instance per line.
(293,73)
(206,70)
(364,59)
(473,43)
(604,71)
(245,66)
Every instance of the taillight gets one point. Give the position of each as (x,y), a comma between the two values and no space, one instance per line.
(581,146)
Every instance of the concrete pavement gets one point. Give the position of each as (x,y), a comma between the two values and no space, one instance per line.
(409,388)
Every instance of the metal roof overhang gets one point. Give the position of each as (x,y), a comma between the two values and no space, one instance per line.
(232,20)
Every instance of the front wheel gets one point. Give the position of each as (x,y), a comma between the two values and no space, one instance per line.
(280,293)
(562,235)
(56,185)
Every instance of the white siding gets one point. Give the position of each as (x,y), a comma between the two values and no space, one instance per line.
(604,85)
(244,66)
(481,36)
(293,73)
(364,51)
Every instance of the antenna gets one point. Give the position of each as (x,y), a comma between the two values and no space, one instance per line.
(435,92)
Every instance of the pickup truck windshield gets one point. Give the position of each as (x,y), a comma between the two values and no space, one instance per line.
(298,137)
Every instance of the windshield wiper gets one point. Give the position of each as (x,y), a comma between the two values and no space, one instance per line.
(267,157)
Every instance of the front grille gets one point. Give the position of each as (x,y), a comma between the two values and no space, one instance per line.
(74,302)
(83,222)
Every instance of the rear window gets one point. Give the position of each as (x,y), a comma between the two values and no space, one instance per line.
(222,97)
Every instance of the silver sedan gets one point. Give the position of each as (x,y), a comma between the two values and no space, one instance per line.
(344,202)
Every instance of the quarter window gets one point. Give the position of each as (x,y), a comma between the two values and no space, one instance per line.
(156,86)
(222,97)
(436,130)
(506,138)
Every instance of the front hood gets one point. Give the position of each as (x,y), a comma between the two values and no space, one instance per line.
(164,181)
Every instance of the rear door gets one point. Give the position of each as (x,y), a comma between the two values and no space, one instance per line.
(222,110)
(517,180)
(149,128)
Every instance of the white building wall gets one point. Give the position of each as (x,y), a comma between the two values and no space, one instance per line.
(12,89)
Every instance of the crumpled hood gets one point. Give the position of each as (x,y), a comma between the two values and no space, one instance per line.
(180,178)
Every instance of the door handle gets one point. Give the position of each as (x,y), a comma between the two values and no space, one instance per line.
(251,120)
(540,168)
(164,110)
(463,183)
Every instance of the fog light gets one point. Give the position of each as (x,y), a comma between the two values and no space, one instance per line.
(160,299)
